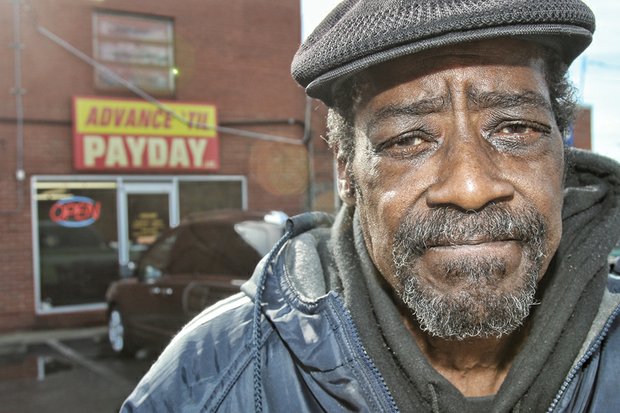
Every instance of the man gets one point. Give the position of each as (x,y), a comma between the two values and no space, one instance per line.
(466,271)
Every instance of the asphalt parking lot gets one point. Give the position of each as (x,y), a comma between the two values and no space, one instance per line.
(65,371)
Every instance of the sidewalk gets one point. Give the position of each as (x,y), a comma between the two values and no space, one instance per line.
(64,370)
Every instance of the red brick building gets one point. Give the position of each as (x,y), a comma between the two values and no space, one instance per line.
(215,121)
(91,170)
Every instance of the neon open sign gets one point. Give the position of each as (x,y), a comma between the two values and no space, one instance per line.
(75,212)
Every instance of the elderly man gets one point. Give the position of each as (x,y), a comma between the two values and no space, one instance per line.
(466,271)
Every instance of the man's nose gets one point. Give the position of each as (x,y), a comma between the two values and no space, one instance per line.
(469,178)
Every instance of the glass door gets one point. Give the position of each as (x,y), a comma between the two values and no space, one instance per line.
(148,209)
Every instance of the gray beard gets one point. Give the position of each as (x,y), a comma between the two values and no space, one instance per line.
(477,309)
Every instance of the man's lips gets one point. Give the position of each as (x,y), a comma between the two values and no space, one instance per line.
(466,242)
(483,248)
(440,261)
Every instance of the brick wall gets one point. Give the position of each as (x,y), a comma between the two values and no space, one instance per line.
(583,128)
(235,54)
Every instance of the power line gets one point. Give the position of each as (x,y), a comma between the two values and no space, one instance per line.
(144,95)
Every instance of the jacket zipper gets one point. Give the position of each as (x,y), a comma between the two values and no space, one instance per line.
(591,350)
(376,380)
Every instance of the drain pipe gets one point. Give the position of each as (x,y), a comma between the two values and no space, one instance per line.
(18,91)
(307,141)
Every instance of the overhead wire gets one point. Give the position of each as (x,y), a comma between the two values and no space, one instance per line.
(58,40)
(160,105)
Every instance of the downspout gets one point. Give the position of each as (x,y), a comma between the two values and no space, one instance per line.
(18,91)
(307,141)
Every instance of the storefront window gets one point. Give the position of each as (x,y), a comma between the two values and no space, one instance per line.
(78,242)
(197,196)
(88,228)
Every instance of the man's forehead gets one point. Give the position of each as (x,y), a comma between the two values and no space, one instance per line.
(436,101)
(519,66)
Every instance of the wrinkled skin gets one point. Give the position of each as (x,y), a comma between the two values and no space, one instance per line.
(461,128)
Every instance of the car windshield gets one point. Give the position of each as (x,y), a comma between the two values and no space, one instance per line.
(154,261)
(221,247)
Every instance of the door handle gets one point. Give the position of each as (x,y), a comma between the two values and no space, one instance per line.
(161,291)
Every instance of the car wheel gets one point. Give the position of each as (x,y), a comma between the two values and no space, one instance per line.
(117,334)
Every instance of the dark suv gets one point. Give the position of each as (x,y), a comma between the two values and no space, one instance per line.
(206,258)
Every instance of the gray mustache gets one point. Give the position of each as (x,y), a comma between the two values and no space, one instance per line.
(448,226)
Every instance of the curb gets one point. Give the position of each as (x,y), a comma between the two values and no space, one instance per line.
(41,336)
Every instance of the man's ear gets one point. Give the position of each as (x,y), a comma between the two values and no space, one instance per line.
(346,186)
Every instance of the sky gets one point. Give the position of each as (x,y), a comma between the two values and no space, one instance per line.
(596,73)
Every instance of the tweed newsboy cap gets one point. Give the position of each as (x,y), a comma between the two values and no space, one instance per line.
(358,34)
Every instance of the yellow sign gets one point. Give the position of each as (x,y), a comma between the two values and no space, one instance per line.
(135,135)
(137,117)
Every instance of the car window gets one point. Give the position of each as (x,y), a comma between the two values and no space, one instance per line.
(221,248)
(154,262)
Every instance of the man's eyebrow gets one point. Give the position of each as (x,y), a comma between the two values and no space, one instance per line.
(419,107)
(500,99)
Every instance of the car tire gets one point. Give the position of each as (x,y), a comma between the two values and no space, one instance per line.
(117,334)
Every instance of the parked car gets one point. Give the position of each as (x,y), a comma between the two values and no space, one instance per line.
(203,260)
(612,258)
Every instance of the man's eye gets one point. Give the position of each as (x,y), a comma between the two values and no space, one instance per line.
(521,129)
(516,129)
(407,144)
(510,136)
(407,140)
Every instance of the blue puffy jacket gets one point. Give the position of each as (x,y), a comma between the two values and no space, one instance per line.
(300,355)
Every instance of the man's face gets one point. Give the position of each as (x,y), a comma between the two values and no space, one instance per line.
(458,183)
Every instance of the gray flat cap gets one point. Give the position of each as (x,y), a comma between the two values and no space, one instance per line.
(358,34)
